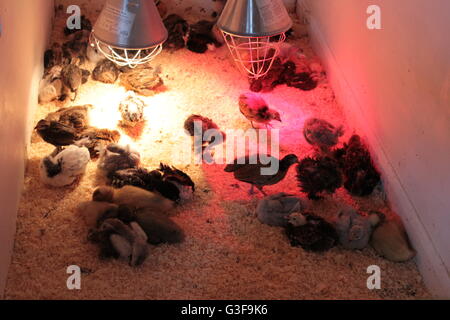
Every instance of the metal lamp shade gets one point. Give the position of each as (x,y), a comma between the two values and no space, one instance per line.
(130,24)
(254,18)
(129,32)
(253,31)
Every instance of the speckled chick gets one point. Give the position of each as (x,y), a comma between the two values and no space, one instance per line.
(76,117)
(322,134)
(391,241)
(255,109)
(106,71)
(354,229)
(275,210)
(134,198)
(311,232)
(131,110)
(97,139)
(62,168)
(115,157)
(178,29)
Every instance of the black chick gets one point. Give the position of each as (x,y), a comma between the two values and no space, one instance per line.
(254,174)
(56,56)
(204,124)
(201,36)
(178,29)
(316,176)
(311,232)
(360,175)
(170,182)
(56,133)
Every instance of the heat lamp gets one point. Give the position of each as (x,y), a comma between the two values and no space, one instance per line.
(129,32)
(253,31)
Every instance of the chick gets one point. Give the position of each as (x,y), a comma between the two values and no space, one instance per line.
(180,179)
(97,139)
(92,211)
(391,241)
(253,173)
(322,134)
(311,232)
(360,175)
(56,57)
(171,183)
(133,197)
(106,71)
(76,117)
(159,228)
(56,133)
(178,29)
(255,109)
(73,77)
(132,111)
(115,157)
(276,209)
(201,37)
(198,132)
(128,241)
(316,176)
(62,168)
(76,47)
(354,229)
(143,80)
(51,86)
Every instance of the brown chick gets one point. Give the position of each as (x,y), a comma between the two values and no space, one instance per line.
(56,133)
(73,77)
(259,174)
(255,109)
(96,139)
(75,117)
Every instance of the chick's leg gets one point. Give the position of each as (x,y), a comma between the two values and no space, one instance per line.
(260,188)
(251,191)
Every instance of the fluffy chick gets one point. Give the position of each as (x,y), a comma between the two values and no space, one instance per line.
(201,37)
(73,77)
(91,211)
(56,133)
(311,232)
(131,110)
(128,241)
(133,197)
(360,175)
(97,139)
(322,134)
(276,209)
(106,71)
(76,117)
(245,171)
(159,228)
(354,229)
(255,109)
(178,29)
(115,157)
(143,80)
(62,168)
(316,176)
(51,86)
(391,241)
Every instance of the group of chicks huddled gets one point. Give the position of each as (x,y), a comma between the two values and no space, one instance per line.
(130,211)
(67,68)
(319,176)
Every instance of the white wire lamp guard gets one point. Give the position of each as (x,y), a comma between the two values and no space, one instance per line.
(253,31)
(129,32)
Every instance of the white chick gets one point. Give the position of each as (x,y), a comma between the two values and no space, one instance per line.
(62,168)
